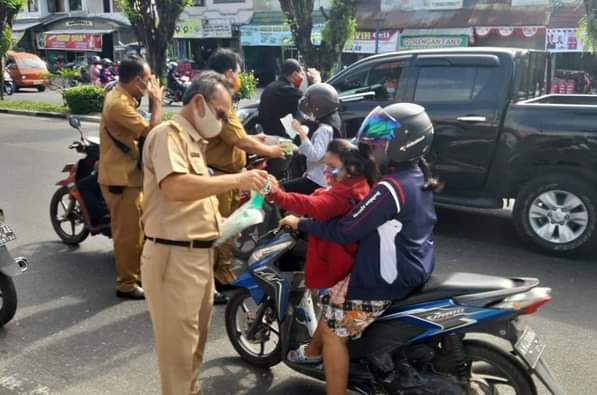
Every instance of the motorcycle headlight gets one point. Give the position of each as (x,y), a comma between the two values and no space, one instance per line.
(243,114)
(269,250)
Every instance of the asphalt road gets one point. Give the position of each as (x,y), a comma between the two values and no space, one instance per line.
(71,335)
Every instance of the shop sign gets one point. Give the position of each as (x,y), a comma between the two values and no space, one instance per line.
(75,42)
(563,40)
(431,41)
(79,23)
(364,42)
(195,28)
(390,5)
(273,35)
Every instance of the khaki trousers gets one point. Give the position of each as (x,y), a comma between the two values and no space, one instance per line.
(179,290)
(228,203)
(125,211)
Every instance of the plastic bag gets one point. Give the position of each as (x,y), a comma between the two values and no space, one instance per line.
(249,214)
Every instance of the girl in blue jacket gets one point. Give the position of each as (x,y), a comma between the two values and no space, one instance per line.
(393,225)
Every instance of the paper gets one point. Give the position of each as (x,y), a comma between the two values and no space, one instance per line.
(287,123)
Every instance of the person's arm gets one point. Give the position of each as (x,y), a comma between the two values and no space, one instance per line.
(380,206)
(252,145)
(315,150)
(155,95)
(321,206)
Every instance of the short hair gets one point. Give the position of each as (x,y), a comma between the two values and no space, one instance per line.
(223,60)
(130,68)
(290,66)
(205,85)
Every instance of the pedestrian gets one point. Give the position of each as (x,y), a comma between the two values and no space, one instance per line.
(181,221)
(226,154)
(120,172)
(279,99)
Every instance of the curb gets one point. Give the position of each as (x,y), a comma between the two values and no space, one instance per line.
(47,114)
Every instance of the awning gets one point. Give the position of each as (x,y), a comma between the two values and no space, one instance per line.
(566,17)
(89,31)
(413,19)
(21,27)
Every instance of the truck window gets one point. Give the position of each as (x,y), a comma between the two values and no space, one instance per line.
(381,78)
(456,84)
(351,82)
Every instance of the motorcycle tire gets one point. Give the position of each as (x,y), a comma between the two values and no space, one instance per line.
(506,365)
(263,362)
(8,294)
(9,88)
(71,239)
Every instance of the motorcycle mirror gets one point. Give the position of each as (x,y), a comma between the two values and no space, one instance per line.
(74,122)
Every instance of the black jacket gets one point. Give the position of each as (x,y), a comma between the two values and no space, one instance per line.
(278,99)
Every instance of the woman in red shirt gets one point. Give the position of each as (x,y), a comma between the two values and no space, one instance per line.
(350,174)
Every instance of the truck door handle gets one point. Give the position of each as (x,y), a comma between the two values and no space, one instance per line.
(472,119)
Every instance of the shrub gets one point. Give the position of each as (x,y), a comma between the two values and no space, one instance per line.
(248,86)
(84,99)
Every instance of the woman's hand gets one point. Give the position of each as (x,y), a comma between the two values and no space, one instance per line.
(291,221)
(298,128)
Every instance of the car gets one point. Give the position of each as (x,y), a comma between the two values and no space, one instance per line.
(28,70)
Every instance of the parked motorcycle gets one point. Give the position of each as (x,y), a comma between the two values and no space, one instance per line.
(420,345)
(9,267)
(9,84)
(174,95)
(77,208)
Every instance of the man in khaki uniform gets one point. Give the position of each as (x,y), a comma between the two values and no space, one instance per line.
(120,175)
(181,222)
(226,154)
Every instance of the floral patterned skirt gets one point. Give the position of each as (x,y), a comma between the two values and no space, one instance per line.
(349,318)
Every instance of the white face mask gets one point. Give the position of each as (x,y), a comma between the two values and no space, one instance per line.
(208,126)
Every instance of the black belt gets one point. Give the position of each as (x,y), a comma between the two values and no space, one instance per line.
(189,243)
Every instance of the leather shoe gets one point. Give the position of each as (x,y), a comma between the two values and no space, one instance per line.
(135,294)
(220,298)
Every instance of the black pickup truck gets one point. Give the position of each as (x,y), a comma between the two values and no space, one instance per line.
(498,136)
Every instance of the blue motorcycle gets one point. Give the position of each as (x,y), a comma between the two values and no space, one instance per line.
(419,346)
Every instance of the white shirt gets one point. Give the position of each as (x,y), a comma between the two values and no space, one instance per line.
(314,150)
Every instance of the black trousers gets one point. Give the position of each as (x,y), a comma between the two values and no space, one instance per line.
(301,185)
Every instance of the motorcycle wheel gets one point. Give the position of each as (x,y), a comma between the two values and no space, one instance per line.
(493,371)
(9,88)
(66,210)
(8,294)
(240,313)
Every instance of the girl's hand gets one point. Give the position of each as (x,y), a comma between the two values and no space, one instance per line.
(291,221)
(274,184)
(298,128)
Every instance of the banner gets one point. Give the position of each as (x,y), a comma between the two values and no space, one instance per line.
(75,42)
(563,40)
(195,28)
(364,42)
(391,5)
(273,35)
(423,42)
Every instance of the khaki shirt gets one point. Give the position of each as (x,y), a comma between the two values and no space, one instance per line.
(222,154)
(176,147)
(120,117)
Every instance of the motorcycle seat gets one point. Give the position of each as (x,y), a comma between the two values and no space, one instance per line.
(441,286)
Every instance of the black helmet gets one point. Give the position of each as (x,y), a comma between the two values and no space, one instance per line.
(404,128)
(320,100)
(95,59)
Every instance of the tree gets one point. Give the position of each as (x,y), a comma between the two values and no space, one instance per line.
(339,27)
(588,25)
(154,22)
(8,11)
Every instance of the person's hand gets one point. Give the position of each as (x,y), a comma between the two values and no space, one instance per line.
(298,128)
(260,137)
(252,180)
(156,90)
(313,75)
(273,182)
(277,151)
(291,221)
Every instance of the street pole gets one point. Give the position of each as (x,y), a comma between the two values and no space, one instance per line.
(377,23)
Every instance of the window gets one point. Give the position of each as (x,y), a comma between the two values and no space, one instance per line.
(382,78)
(32,5)
(198,3)
(456,84)
(75,5)
(55,5)
(352,81)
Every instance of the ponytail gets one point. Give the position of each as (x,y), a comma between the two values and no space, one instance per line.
(370,169)
(432,184)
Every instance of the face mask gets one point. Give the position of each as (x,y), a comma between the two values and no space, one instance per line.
(208,126)
(331,172)
(297,81)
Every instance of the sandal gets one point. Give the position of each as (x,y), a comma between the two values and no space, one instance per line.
(298,356)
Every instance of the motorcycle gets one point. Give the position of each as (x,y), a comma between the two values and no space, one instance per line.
(419,346)
(9,267)
(9,84)
(175,95)
(77,208)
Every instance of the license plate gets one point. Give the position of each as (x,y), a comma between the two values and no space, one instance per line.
(38,82)
(6,234)
(529,347)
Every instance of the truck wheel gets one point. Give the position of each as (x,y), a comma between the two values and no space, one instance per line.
(557,214)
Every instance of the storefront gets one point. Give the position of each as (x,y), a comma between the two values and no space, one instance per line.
(367,43)
(74,40)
